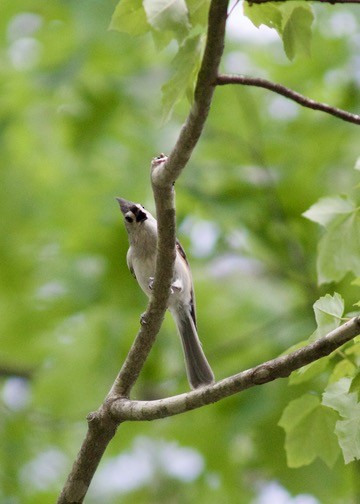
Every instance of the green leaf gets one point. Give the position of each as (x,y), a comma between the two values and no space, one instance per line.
(340,245)
(297,32)
(339,249)
(342,369)
(292,21)
(348,432)
(268,14)
(161,38)
(307,372)
(309,429)
(186,64)
(198,11)
(287,9)
(327,209)
(129,17)
(356,282)
(355,384)
(338,397)
(328,312)
(168,15)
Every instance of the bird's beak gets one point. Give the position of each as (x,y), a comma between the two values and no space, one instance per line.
(124,205)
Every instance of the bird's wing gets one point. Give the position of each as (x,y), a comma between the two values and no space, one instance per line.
(182,254)
(129,262)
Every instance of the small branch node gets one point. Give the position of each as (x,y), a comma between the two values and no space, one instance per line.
(92,417)
(159,175)
(261,375)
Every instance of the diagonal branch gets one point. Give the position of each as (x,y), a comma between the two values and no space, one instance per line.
(193,126)
(281,367)
(163,176)
(288,93)
(101,424)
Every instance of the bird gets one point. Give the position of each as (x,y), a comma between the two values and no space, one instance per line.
(141,227)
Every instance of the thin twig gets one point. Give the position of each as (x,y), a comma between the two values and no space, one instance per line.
(233,7)
(222,80)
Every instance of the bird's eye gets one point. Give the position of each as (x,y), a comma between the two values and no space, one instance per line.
(128,218)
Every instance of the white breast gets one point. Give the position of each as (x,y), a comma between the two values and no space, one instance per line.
(144,269)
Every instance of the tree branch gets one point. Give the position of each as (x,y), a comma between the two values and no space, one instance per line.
(163,176)
(14,371)
(281,367)
(193,126)
(102,426)
(117,407)
(222,80)
(101,429)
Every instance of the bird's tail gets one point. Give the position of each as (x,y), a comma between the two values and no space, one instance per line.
(198,369)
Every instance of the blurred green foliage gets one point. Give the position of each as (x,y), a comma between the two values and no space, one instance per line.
(80,120)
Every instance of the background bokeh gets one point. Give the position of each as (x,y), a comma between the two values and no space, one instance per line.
(80,120)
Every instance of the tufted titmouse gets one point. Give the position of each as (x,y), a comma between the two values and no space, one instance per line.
(141,256)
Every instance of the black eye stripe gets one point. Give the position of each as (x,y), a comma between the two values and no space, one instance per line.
(140,215)
(128,218)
